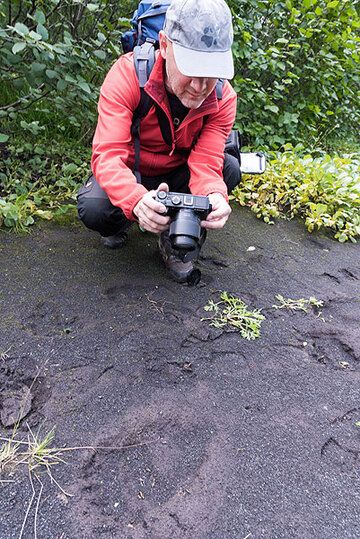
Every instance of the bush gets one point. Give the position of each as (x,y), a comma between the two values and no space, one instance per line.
(39,181)
(297,79)
(54,58)
(325,191)
(297,74)
(297,70)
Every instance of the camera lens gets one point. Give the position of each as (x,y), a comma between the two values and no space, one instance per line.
(185,230)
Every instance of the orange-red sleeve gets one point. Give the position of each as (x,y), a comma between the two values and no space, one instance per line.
(113,152)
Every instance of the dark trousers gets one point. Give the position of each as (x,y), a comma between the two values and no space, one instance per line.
(98,213)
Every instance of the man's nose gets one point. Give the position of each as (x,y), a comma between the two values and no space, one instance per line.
(198,84)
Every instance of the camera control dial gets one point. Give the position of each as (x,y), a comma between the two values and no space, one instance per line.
(176,200)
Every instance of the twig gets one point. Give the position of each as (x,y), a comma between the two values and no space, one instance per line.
(33,7)
(155,304)
(28,509)
(4,355)
(22,99)
(37,507)
(84,447)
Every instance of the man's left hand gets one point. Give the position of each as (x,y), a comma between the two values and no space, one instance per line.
(219,214)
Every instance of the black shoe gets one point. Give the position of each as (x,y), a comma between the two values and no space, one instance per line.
(118,240)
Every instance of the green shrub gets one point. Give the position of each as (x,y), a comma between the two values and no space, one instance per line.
(297,79)
(325,191)
(39,181)
(297,70)
(54,56)
(297,66)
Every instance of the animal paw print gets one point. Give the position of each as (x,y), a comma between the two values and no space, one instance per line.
(208,37)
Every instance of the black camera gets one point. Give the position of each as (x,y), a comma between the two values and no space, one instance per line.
(186,212)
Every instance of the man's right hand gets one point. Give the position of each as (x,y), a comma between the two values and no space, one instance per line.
(150,214)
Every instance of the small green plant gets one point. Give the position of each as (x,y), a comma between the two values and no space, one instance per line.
(301,304)
(233,313)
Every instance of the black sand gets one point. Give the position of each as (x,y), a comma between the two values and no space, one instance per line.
(240,439)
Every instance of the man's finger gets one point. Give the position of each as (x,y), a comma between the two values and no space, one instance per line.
(163,187)
(213,225)
(153,205)
(153,217)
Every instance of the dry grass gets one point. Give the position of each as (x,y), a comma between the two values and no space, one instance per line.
(37,455)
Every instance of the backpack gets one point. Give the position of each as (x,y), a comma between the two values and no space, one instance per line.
(146,23)
(143,39)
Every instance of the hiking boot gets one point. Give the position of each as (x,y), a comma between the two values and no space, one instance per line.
(117,240)
(178,270)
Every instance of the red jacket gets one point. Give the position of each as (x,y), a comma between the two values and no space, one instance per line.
(113,148)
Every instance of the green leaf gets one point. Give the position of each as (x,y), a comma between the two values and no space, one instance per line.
(3,137)
(92,7)
(272,108)
(307,3)
(18,47)
(61,85)
(51,74)
(36,67)
(42,31)
(18,83)
(333,4)
(70,78)
(70,168)
(21,29)
(84,86)
(342,238)
(39,16)
(35,36)
(100,54)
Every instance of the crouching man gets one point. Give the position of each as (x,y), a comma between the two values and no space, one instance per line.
(194,52)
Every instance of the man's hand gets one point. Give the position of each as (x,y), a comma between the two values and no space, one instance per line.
(148,212)
(219,214)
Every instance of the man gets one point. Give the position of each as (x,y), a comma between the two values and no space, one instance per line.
(194,52)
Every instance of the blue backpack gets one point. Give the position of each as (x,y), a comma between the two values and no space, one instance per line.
(143,39)
(146,24)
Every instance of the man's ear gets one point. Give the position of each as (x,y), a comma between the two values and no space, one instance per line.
(163,44)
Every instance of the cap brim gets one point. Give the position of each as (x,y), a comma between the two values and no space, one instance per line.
(215,65)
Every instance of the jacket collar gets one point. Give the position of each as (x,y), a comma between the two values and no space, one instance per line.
(155,88)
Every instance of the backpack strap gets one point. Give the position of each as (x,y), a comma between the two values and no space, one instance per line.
(219,88)
(144,59)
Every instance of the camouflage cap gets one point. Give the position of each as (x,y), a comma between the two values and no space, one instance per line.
(202,34)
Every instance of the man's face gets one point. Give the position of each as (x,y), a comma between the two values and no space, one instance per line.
(192,91)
